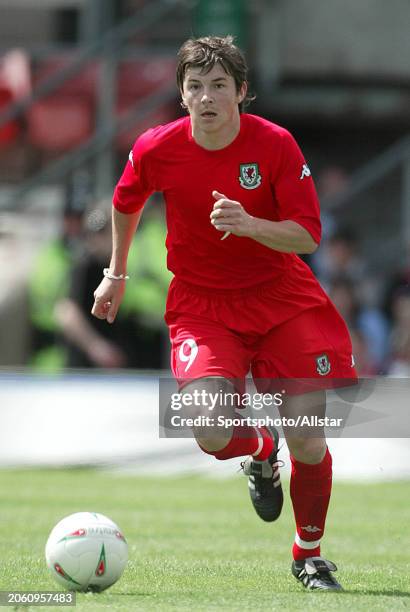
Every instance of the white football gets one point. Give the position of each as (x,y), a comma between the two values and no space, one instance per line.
(86,551)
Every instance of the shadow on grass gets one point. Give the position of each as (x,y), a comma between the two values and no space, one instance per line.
(345,592)
(378,593)
(133,594)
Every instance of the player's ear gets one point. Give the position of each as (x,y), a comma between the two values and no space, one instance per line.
(183,100)
(242,92)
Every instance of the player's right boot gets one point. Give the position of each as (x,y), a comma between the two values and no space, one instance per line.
(264,483)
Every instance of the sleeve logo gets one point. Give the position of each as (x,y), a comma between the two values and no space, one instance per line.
(305,172)
(131,158)
(249,176)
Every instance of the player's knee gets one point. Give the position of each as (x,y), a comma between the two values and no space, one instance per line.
(210,401)
(307,450)
(211,445)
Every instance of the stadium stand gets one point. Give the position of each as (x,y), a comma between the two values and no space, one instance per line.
(327,116)
(136,79)
(64,119)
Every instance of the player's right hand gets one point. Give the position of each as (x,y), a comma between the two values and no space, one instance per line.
(107,299)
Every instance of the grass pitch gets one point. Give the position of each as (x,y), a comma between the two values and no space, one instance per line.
(196,543)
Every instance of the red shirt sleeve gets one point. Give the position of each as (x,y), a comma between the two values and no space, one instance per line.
(294,189)
(135,185)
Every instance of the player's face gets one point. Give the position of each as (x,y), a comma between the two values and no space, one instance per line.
(212,101)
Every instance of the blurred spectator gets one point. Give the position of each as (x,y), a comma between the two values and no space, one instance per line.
(339,254)
(47,285)
(49,278)
(340,258)
(367,324)
(365,363)
(136,339)
(399,282)
(400,337)
(331,181)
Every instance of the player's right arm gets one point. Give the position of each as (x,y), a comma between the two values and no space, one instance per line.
(108,295)
(133,189)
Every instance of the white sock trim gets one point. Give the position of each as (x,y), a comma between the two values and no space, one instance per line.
(260,443)
(306,545)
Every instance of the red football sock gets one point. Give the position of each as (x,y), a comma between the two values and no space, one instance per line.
(310,488)
(256,441)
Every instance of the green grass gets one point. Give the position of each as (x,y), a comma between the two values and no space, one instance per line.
(196,544)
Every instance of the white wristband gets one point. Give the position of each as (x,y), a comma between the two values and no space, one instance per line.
(108,274)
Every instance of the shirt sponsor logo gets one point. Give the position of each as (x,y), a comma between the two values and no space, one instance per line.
(249,176)
(305,172)
(323,365)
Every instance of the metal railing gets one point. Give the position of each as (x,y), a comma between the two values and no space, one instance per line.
(110,43)
(58,169)
(396,157)
(371,172)
(112,40)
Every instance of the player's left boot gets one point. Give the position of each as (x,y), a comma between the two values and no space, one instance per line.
(264,483)
(315,574)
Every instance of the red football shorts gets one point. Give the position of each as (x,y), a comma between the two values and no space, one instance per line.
(229,333)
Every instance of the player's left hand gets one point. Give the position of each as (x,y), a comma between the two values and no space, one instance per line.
(230,216)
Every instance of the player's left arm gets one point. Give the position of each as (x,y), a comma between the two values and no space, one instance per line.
(298,229)
(286,236)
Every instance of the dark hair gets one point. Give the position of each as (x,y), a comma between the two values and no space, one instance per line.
(205,52)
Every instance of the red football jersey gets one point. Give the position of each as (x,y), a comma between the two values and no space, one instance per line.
(263,169)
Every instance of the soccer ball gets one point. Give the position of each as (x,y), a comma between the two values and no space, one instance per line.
(86,551)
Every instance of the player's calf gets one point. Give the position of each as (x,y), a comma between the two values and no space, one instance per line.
(212,405)
(222,431)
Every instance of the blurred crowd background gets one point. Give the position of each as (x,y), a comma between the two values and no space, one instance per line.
(80,79)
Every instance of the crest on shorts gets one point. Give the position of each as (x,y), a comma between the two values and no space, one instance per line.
(323,364)
(249,177)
